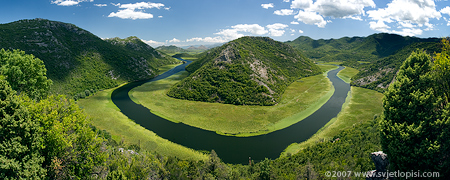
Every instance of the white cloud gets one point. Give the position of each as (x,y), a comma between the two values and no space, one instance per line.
(230,34)
(308,17)
(408,32)
(160,16)
(413,11)
(277,26)
(135,11)
(131,14)
(267,6)
(100,5)
(445,10)
(411,15)
(153,43)
(301,4)
(251,28)
(379,26)
(276,29)
(285,0)
(174,40)
(300,31)
(315,12)
(294,22)
(341,8)
(141,5)
(353,17)
(284,12)
(69,2)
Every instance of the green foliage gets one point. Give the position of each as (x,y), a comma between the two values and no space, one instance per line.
(380,74)
(20,139)
(349,150)
(246,71)
(25,73)
(416,123)
(442,68)
(71,147)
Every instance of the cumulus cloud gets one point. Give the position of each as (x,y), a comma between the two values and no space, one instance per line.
(267,6)
(309,17)
(135,10)
(315,12)
(294,22)
(69,2)
(301,4)
(251,28)
(411,15)
(341,8)
(131,14)
(174,40)
(276,29)
(300,31)
(284,12)
(445,10)
(153,43)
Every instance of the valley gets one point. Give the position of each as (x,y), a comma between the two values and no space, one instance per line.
(237,110)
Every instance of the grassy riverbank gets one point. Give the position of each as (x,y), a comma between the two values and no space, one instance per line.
(106,116)
(361,105)
(300,99)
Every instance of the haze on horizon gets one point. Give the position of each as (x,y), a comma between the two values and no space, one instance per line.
(206,22)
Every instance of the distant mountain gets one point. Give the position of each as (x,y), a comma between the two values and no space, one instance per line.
(171,49)
(77,60)
(248,70)
(201,47)
(370,49)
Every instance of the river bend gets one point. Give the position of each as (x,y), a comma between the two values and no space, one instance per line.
(229,148)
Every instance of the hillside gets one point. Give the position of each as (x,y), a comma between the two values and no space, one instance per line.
(246,71)
(353,49)
(77,60)
(380,74)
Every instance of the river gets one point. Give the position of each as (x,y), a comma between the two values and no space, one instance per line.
(229,148)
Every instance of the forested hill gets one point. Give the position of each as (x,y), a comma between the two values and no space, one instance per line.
(77,60)
(249,70)
(380,74)
(353,49)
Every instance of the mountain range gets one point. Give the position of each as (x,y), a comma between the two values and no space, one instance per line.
(378,56)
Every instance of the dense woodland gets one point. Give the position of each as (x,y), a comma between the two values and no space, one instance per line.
(246,71)
(44,135)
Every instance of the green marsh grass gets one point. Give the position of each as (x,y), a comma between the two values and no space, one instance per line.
(105,115)
(300,99)
(360,105)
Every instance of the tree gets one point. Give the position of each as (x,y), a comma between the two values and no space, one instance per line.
(71,146)
(20,139)
(414,128)
(442,69)
(25,73)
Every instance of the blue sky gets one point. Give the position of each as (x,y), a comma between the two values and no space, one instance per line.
(194,22)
